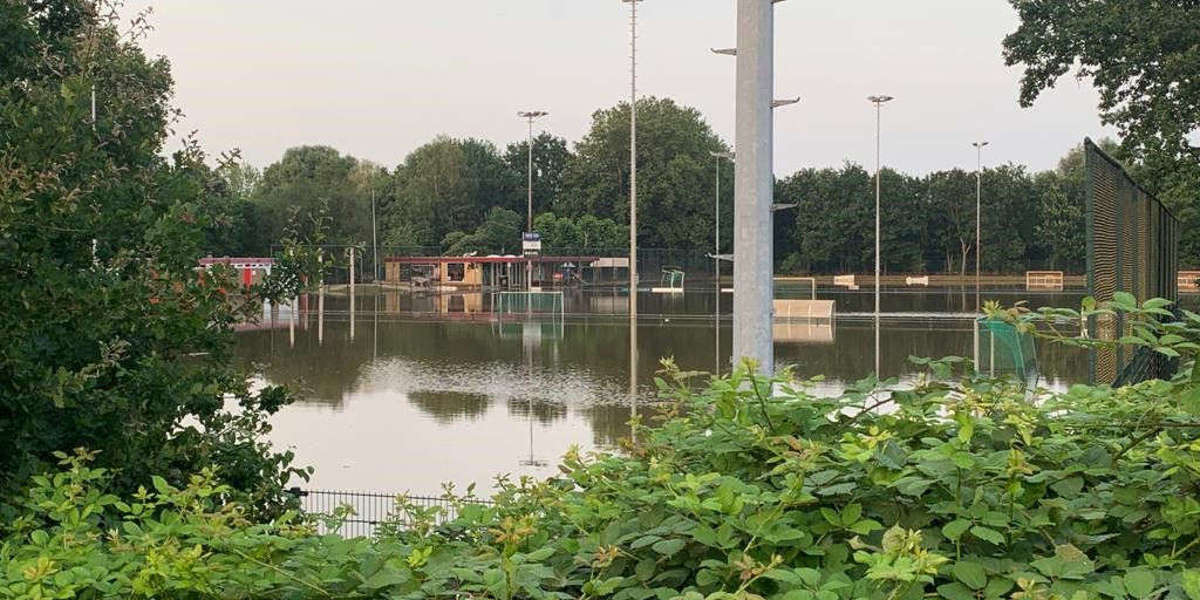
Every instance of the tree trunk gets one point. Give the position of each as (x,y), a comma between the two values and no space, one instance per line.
(966,248)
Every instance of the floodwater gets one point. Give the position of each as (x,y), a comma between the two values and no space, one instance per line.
(415,391)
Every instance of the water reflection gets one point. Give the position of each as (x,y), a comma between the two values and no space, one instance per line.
(435,390)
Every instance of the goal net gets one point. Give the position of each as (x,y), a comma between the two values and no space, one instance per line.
(522,304)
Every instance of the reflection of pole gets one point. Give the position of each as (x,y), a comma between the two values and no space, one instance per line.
(321,302)
(292,322)
(717,329)
(633,376)
(352,293)
(321,314)
(878,353)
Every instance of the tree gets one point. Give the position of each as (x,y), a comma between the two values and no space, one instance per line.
(585,234)
(952,197)
(444,186)
(550,158)
(1142,58)
(1011,210)
(837,231)
(499,233)
(111,340)
(309,177)
(675,173)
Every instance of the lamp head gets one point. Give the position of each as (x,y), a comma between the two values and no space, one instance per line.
(880,99)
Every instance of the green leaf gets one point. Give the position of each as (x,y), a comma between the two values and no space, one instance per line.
(1191,583)
(1069,487)
(851,514)
(161,485)
(1139,583)
(1068,562)
(955,591)
(912,486)
(970,573)
(668,547)
(988,535)
(866,526)
(998,587)
(955,529)
(644,541)
(831,516)
(645,569)
(1125,300)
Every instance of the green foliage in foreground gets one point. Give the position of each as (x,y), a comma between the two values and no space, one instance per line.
(955,490)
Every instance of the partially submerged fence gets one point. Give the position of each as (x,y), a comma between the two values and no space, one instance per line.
(369,510)
(1132,247)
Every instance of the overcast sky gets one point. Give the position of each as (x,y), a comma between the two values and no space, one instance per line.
(378,78)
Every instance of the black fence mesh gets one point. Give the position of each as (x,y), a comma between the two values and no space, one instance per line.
(1132,247)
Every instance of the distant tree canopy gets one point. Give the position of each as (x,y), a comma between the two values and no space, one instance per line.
(309,177)
(1143,59)
(454,196)
(675,173)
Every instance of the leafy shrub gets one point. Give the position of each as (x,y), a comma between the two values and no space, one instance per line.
(957,488)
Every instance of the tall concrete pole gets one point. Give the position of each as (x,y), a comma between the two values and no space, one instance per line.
(753,245)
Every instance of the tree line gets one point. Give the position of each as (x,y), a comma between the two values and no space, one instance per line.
(457,196)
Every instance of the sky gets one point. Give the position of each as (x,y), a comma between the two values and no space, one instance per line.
(378,78)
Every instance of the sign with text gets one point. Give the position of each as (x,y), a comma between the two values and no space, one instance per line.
(531,244)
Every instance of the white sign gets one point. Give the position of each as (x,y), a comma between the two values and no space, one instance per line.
(531,244)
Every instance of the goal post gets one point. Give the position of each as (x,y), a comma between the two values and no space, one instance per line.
(525,304)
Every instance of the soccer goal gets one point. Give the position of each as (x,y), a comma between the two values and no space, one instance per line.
(671,282)
(524,304)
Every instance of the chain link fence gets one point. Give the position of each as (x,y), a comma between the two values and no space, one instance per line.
(1132,247)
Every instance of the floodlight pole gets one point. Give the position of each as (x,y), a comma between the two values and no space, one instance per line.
(633,269)
(374,240)
(978,215)
(633,272)
(717,210)
(878,101)
(754,185)
(530,116)
(717,256)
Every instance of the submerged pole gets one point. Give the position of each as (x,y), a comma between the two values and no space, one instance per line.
(754,186)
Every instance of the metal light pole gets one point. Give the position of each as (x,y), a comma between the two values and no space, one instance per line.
(374,241)
(978,215)
(530,116)
(879,101)
(717,257)
(717,209)
(754,185)
(633,273)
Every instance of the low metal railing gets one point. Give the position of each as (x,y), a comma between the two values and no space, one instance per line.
(371,509)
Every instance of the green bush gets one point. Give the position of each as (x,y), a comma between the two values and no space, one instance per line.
(957,488)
